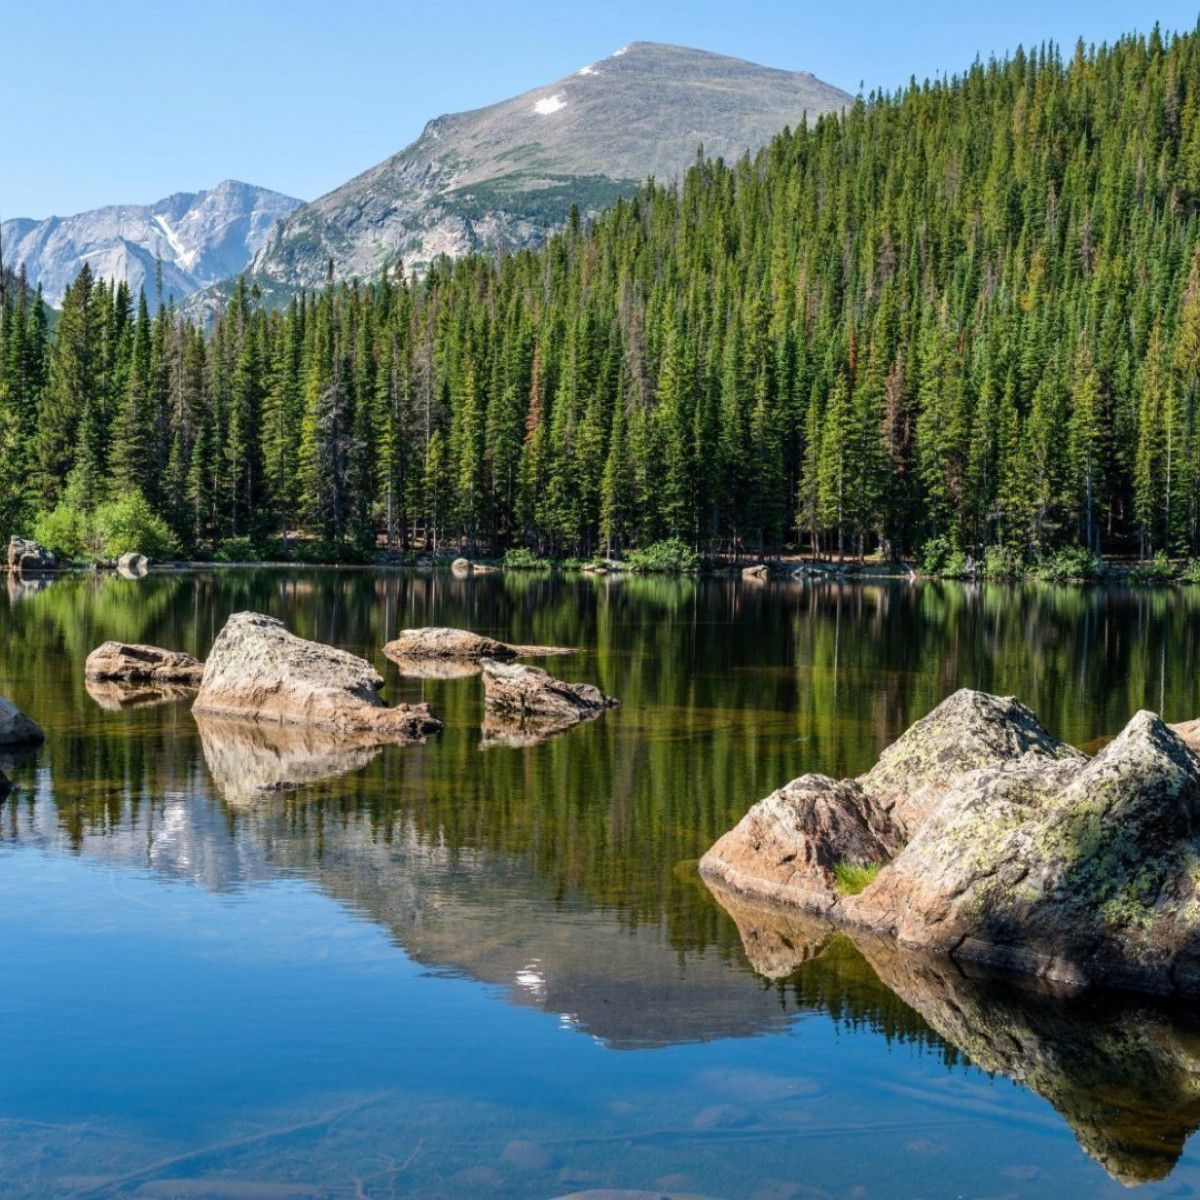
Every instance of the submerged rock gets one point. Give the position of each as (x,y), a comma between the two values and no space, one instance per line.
(259,671)
(529,694)
(16,729)
(995,843)
(130,663)
(252,761)
(448,643)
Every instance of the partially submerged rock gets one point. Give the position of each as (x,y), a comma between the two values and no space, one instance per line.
(252,761)
(28,556)
(133,565)
(259,671)
(464,566)
(758,573)
(131,663)
(16,729)
(443,642)
(997,844)
(529,694)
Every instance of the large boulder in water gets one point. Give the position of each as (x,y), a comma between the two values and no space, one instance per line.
(133,565)
(996,844)
(1079,871)
(445,642)
(127,662)
(259,671)
(16,729)
(531,693)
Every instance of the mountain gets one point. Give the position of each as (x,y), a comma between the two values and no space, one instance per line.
(201,237)
(507,173)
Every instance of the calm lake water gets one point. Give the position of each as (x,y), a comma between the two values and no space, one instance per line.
(470,970)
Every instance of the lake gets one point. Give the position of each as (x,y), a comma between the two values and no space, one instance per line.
(467,969)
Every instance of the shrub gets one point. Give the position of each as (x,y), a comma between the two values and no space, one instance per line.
(1002,562)
(63,531)
(330,553)
(238,549)
(130,524)
(852,878)
(671,557)
(1071,564)
(521,558)
(1154,570)
(1191,571)
(940,557)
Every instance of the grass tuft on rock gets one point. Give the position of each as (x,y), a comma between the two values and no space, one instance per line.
(852,878)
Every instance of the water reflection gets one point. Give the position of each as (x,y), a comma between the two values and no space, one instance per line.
(559,872)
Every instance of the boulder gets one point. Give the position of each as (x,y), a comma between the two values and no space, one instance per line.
(788,847)
(259,671)
(127,663)
(968,730)
(756,574)
(133,565)
(464,566)
(447,643)
(16,729)
(529,693)
(28,556)
(996,844)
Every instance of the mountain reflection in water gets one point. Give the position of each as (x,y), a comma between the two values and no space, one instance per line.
(561,873)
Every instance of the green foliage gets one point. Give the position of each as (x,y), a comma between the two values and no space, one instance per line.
(237,550)
(63,531)
(1071,564)
(328,552)
(852,878)
(521,558)
(1002,562)
(128,524)
(1153,571)
(943,560)
(669,557)
(1190,573)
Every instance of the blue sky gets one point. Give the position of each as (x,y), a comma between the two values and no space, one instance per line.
(129,101)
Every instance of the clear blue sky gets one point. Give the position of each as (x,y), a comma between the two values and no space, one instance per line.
(129,101)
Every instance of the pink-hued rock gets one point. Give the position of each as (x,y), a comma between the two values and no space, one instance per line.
(259,671)
(449,643)
(127,663)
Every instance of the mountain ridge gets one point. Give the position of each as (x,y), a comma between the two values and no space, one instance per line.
(201,237)
(507,173)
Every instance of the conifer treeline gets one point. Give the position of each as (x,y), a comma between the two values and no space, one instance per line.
(970,310)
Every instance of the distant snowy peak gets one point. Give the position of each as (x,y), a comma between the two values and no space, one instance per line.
(200,237)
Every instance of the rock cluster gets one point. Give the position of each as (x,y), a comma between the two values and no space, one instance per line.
(995,843)
(24,555)
(122,662)
(259,671)
(16,729)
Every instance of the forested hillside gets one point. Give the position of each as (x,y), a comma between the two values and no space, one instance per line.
(971,310)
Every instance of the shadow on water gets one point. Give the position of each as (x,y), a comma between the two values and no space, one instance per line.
(559,872)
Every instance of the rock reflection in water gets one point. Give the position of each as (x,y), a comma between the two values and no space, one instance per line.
(1125,1075)
(435,668)
(249,760)
(115,696)
(519,733)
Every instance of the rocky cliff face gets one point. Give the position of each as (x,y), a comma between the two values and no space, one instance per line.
(505,174)
(201,237)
